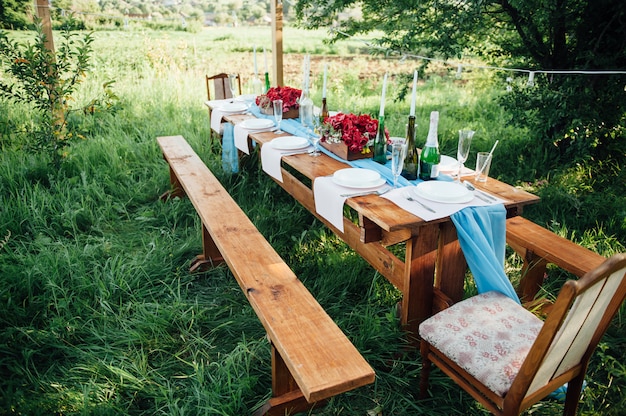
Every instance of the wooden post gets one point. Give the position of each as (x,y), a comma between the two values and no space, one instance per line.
(277,41)
(43,12)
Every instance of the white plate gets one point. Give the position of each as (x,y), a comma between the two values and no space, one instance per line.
(246,97)
(290,143)
(443,192)
(257,123)
(448,164)
(357,178)
(363,186)
(233,107)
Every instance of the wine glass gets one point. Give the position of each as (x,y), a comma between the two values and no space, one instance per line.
(278,114)
(465,140)
(232,84)
(397,161)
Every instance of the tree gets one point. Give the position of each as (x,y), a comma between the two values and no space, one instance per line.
(533,34)
(14,14)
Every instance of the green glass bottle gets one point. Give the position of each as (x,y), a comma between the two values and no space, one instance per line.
(267,81)
(380,143)
(411,160)
(430,156)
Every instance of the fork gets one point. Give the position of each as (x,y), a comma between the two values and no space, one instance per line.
(426,207)
(378,192)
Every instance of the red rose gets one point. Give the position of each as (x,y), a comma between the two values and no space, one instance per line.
(354,130)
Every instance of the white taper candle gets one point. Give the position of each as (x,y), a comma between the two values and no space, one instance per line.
(256,71)
(412,113)
(382,97)
(324,84)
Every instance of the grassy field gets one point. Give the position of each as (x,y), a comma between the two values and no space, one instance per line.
(98,313)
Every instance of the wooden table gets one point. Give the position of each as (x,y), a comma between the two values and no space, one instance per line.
(431,275)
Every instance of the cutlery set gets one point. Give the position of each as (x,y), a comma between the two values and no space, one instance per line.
(378,192)
(483,196)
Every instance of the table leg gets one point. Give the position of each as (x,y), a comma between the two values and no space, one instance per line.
(417,296)
(451,264)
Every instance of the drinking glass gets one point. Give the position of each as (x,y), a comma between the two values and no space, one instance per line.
(483,163)
(278,114)
(232,84)
(397,161)
(465,140)
(313,126)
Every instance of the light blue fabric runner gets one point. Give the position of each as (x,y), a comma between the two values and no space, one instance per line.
(481,230)
(482,235)
(230,156)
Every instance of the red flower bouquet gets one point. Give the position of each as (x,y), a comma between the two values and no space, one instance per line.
(290,97)
(356,131)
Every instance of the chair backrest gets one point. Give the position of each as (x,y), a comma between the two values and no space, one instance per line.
(221,87)
(579,318)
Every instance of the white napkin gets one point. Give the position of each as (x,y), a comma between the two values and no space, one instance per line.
(328,200)
(216,120)
(398,197)
(217,114)
(270,159)
(241,137)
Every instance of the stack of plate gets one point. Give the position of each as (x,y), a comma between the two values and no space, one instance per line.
(232,108)
(358,178)
(443,192)
(448,164)
(255,124)
(289,143)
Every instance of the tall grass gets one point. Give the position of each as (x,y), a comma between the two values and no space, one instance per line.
(98,313)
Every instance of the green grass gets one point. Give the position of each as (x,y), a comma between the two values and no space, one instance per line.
(98,313)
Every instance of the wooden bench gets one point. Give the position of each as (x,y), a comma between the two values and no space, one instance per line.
(539,247)
(312,360)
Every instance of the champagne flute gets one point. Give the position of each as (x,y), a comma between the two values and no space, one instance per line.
(315,136)
(465,140)
(232,84)
(397,161)
(278,114)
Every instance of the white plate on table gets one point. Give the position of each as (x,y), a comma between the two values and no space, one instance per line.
(448,164)
(257,123)
(358,178)
(233,107)
(246,97)
(443,192)
(290,143)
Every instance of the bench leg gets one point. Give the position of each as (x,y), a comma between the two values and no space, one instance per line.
(532,275)
(177,189)
(210,256)
(286,398)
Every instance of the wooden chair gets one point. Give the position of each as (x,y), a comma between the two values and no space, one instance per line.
(221,88)
(221,91)
(507,358)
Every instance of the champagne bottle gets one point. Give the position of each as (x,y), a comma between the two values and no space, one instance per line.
(430,156)
(267,81)
(411,160)
(380,143)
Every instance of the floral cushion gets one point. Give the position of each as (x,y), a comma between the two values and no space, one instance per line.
(489,335)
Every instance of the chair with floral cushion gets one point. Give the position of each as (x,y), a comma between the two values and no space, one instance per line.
(507,358)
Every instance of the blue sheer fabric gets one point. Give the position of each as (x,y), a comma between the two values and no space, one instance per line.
(230,156)
(482,235)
